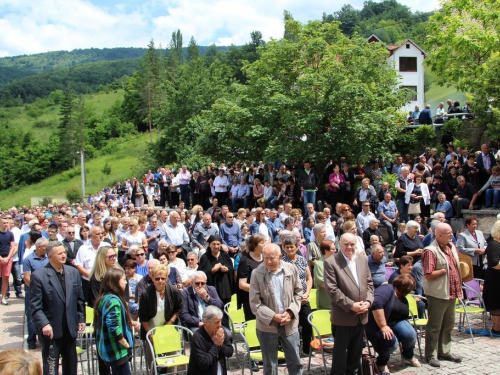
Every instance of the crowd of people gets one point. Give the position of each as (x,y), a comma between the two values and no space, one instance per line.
(268,234)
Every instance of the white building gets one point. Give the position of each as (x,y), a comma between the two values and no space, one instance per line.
(408,59)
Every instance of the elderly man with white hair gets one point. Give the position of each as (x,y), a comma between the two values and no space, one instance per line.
(146,280)
(174,232)
(195,299)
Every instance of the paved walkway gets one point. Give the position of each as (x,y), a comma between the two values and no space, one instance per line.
(478,358)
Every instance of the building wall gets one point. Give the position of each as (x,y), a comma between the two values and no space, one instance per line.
(411,78)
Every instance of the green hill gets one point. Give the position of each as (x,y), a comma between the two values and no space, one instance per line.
(123,162)
(436,94)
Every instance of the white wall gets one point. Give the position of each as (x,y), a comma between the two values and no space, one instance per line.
(411,78)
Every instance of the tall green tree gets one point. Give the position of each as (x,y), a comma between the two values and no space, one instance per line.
(176,57)
(193,52)
(464,51)
(322,96)
(67,130)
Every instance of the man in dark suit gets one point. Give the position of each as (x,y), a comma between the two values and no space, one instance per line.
(425,117)
(349,284)
(164,180)
(58,307)
(72,245)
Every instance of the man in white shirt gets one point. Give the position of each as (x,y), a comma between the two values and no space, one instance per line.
(364,217)
(221,184)
(287,207)
(85,258)
(174,232)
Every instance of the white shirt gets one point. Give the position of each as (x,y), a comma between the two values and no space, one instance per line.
(218,181)
(352,267)
(86,257)
(17,235)
(180,266)
(174,236)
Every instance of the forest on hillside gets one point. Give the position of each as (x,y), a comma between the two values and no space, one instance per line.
(321,82)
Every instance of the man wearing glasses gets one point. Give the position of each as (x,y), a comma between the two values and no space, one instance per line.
(195,299)
(72,245)
(443,285)
(85,258)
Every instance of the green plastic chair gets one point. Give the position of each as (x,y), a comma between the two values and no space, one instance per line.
(236,318)
(313,299)
(322,328)
(168,347)
(248,332)
(464,311)
(415,321)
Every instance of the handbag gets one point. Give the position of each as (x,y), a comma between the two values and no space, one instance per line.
(369,365)
(414,208)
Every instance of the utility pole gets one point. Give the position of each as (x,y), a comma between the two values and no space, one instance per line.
(82,167)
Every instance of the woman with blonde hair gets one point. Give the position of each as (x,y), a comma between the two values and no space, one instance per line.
(350,227)
(105,259)
(134,237)
(19,362)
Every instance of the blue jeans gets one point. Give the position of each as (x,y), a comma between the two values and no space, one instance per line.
(403,210)
(492,194)
(185,194)
(269,347)
(270,200)
(234,203)
(17,277)
(418,274)
(403,333)
(309,197)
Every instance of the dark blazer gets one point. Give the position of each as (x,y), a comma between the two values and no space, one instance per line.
(343,290)
(205,355)
(425,117)
(189,313)
(148,307)
(48,303)
(71,253)
(480,161)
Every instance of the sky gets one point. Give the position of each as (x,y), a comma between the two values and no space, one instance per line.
(34,26)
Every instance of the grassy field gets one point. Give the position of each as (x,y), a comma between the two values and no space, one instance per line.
(123,161)
(18,119)
(437,94)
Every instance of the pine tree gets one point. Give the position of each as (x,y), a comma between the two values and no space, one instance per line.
(192,50)
(66,130)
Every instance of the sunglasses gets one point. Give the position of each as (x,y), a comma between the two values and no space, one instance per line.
(70,232)
(200,283)
(112,256)
(190,260)
(171,252)
(160,278)
(140,255)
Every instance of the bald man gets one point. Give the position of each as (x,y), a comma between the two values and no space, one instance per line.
(349,284)
(275,299)
(442,285)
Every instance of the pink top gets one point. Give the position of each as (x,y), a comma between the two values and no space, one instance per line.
(336,178)
(258,191)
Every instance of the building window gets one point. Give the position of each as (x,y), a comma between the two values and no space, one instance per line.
(411,88)
(407,64)
(407,45)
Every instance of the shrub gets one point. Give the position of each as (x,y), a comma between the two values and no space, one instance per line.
(106,169)
(454,126)
(46,201)
(73,195)
(425,135)
(404,143)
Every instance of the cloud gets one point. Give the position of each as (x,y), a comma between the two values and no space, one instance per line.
(33,26)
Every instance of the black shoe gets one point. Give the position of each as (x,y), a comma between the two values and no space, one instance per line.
(433,362)
(254,366)
(451,357)
(19,296)
(495,332)
(32,346)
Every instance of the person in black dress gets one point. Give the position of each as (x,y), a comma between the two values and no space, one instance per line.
(253,259)
(218,267)
(492,280)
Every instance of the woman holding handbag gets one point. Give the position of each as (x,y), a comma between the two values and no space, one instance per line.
(418,197)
